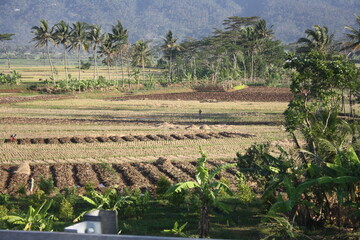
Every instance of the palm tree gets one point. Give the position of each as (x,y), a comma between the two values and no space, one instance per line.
(79,39)
(208,189)
(95,37)
(6,37)
(44,35)
(317,39)
(170,48)
(141,55)
(62,36)
(106,50)
(353,43)
(119,37)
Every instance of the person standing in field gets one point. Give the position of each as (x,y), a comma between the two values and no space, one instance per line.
(12,137)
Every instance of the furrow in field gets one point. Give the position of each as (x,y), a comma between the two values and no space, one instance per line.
(4,178)
(171,171)
(86,175)
(151,172)
(133,178)
(64,176)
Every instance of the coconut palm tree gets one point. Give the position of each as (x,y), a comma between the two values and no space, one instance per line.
(107,50)
(170,48)
(353,43)
(317,39)
(119,37)
(44,36)
(6,37)
(141,55)
(79,40)
(95,37)
(62,36)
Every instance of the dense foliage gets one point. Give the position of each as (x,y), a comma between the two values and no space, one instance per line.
(318,184)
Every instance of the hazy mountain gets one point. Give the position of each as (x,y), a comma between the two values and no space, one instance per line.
(151,19)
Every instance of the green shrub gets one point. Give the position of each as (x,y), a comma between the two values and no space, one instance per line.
(246,194)
(4,198)
(11,78)
(162,186)
(85,65)
(66,210)
(46,185)
(137,205)
(3,212)
(36,198)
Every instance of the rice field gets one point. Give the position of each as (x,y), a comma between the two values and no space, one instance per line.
(94,117)
(35,70)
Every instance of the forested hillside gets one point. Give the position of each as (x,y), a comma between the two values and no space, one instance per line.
(151,19)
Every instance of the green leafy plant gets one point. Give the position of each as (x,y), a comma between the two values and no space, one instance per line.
(176,230)
(85,65)
(46,185)
(207,188)
(66,210)
(109,200)
(162,185)
(35,219)
(12,78)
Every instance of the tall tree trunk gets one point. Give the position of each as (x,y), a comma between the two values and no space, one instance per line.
(128,70)
(245,75)
(204,223)
(170,67)
(78,53)
(7,56)
(351,103)
(143,70)
(8,59)
(117,72)
(95,62)
(51,64)
(122,68)
(65,66)
(252,67)
(109,71)
(194,77)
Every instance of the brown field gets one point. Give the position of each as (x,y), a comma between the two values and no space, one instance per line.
(112,140)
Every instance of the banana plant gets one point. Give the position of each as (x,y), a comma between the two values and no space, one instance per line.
(36,219)
(110,200)
(176,230)
(207,188)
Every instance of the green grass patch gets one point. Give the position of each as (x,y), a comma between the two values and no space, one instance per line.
(240,87)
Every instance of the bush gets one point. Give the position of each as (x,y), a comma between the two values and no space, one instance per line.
(85,65)
(162,186)
(46,185)
(4,198)
(246,194)
(137,204)
(66,210)
(11,78)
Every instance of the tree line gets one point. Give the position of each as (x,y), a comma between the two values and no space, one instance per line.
(244,49)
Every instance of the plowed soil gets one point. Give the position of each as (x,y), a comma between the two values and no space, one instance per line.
(15,99)
(250,94)
(136,175)
(130,138)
